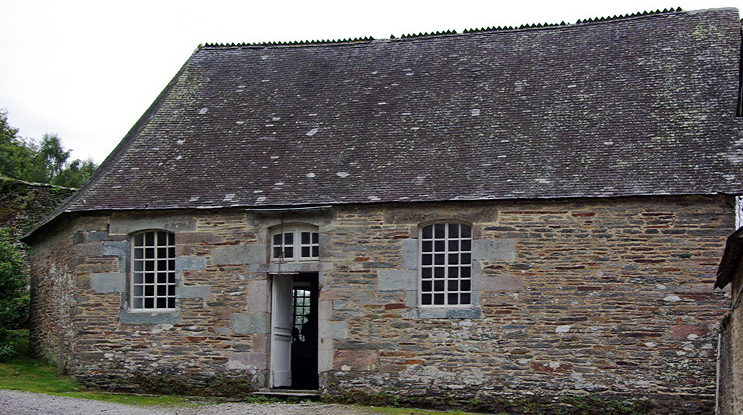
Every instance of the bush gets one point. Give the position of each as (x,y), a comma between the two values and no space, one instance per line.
(14,295)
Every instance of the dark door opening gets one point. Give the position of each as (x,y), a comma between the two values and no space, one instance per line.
(304,331)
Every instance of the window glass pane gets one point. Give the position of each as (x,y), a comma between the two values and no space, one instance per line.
(138,266)
(149,265)
(149,303)
(466,231)
(438,285)
(138,290)
(138,303)
(315,251)
(440,230)
(426,286)
(162,238)
(427,246)
(439,259)
(149,238)
(466,285)
(453,230)
(138,278)
(277,239)
(306,252)
(149,278)
(453,299)
(439,272)
(466,258)
(440,246)
(438,299)
(453,272)
(426,299)
(315,237)
(277,252)
(426,272)
(453,245)
(427,259)
(288,238)
(149,290)
(138,253)
(171,252)
(162,290)
(427,232)
(171,302)
(288,252)
(465,298)
(162,303)
(453,285)
(453,259)
(138,239)
(464,272)
(306,238)
(467,245)
(171,290)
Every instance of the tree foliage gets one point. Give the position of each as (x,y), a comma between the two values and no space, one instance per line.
(14,296)
(44,162)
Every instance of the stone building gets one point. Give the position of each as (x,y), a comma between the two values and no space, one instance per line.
(502,214)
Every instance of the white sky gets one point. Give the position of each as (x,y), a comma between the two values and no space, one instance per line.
(88,69)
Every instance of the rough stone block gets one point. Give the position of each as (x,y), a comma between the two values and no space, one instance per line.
(189,263)
(248,323)
(149,318)
(499,283)
(97,236)
(193,291)
(410,254)
(339,330)
(494,249)
(125,224)
(396,280)
(247,361)
(258,296)
(356,359)
(454,313)
(237,255)
(108,282)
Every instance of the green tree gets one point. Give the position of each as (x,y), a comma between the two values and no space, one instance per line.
(14,295)
(46,162)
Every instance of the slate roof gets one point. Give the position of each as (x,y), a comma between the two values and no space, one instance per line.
(643,105)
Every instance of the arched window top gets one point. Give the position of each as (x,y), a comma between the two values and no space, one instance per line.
(295,242)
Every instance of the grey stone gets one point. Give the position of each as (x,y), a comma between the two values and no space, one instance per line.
(292,267)
(118,249)
(108,282)
(249,323)
(494,249)
(126,317)
(396,280)
(410,254)
(189,263)
(258,296)
(193,291)
(97,236)
(237,255)
(458,313)
(125,224)
(340,330)
(246,360)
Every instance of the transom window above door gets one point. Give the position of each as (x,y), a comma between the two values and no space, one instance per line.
(295,243)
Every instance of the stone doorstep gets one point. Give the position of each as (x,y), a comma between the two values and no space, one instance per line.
(289,393)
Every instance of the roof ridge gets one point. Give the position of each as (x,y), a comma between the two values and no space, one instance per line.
(368,39)
(288,43)
(578,22)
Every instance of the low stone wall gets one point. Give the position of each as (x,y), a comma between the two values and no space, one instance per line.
(572,298)
(25,204)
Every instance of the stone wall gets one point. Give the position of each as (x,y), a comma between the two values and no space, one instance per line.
(23,205)
(606,297)
(731,354)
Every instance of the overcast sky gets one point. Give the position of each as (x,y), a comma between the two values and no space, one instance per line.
(88,69)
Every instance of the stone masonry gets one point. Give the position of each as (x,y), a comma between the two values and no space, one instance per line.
(608,297)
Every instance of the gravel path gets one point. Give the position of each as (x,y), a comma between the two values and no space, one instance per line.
(25,403)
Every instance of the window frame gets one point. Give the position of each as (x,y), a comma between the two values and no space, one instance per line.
(464,261)
(136,296)
(297,243)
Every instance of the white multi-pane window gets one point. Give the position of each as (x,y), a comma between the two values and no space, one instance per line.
(296,243)
(153,271)
(445,264)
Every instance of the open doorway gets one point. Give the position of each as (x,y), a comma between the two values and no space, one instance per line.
(294,331)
